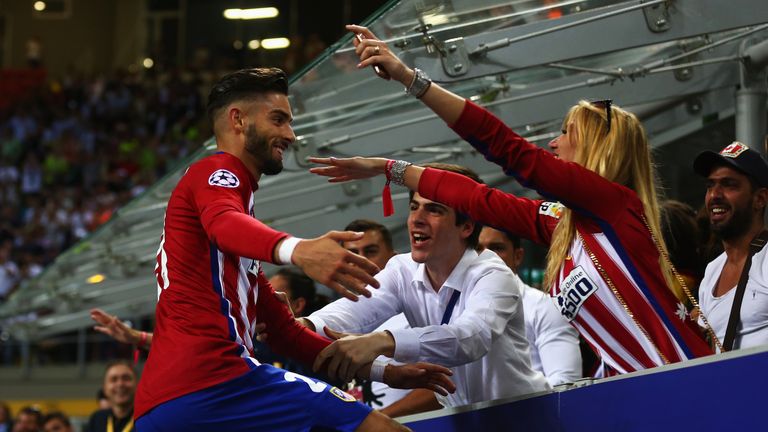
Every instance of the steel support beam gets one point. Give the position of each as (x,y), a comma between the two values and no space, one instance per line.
(615,32)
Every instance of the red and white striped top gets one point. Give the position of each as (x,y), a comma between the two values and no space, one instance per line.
(624,308)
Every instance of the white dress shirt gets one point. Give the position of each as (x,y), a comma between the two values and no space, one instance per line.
(484,341)
(554,342)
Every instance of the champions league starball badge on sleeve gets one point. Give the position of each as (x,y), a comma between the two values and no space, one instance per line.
(223,178)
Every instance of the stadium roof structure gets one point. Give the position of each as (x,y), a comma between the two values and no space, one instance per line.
(678,64)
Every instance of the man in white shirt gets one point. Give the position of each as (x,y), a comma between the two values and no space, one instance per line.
(376,245)
(737,195)
(464,309)
(554,342)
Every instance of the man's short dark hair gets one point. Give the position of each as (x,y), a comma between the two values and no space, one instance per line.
(473,238)
(115,362)
(57,415)
(302,286)
(245,83)
(363,225)
(515,240)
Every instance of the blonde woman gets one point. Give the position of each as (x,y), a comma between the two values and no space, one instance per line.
(605,267)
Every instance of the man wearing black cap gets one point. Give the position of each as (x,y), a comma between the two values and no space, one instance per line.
(736,198)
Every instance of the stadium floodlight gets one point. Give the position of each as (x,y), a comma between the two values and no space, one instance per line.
(97,278)
(275,43)
(249,14)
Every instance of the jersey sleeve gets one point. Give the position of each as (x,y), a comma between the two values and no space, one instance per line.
(286,336)
(226,220)
(536,168)
(527,218)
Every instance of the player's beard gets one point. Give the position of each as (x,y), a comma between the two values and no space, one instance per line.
(258,146)
(737,225)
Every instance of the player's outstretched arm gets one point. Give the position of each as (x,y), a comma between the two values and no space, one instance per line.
(324,260)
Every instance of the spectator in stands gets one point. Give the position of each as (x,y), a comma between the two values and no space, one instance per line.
(6,419)
(736,199)
(554,343)
(29,419)
(376,243)
(68,137)
(299,289)
(605,263)
(102,400)
(9,271)
(120,389)
(56,421)
(464,310)
(684,242)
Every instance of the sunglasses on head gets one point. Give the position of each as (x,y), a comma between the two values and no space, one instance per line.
(604,104)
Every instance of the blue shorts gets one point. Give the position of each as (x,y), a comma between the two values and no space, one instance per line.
(264,399)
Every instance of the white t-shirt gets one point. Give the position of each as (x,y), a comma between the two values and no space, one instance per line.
(754,307)
(483,343)
(554,342)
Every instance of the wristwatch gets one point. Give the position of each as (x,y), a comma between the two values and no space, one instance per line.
(419,85)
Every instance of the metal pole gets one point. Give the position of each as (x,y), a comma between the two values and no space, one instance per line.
(751,98)
(81,345)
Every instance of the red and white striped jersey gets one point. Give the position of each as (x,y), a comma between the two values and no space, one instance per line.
(611,287)
(211,289)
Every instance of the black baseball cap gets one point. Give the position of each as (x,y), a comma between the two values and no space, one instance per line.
(736,155)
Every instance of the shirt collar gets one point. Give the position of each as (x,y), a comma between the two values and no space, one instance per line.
(455,279)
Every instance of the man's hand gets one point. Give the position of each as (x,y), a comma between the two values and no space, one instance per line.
(420,375)
(324,260)
(350,353)
(111,326)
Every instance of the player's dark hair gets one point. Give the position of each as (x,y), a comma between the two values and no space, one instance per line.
(245,83)
(473,238)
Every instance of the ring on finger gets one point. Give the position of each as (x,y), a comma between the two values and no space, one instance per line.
(376,50)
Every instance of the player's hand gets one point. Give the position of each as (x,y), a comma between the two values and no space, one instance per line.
(261,332)
(372,51)
(346,169)
(420,375)
(283,298)
(324,260)
(350,353)
(111,326)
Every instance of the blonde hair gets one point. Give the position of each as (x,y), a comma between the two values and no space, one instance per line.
(621,155)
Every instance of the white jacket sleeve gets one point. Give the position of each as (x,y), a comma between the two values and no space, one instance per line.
(558,344)
(364,315)
(479,318)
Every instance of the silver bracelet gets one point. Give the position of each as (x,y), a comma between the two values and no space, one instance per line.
(419,85)
(397,173)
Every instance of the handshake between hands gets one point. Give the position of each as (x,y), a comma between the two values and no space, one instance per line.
(352,356)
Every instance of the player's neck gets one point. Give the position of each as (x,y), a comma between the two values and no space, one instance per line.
(245,157)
